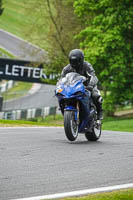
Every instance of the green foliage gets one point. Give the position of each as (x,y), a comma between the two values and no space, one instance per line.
(56,24)
(36,22)
(64,26)
(1,8)
(108,44)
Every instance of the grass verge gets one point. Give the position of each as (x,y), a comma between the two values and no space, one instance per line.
(114,123)
(117,195)
(48,121)
(13,18)
(118,124)
(20,89)
(6,52)
(22,17)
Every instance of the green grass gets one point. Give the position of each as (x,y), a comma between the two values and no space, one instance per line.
(20,89)
(13,18)
(118,124)
(5,52)
(117,195)
(57,119)
(22,18)
(48,121)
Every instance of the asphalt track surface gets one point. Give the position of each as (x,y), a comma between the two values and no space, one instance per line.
(44,97)
(41,161)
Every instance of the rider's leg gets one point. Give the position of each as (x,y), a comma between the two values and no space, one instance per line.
(84,111)
(98,102)
(85,105)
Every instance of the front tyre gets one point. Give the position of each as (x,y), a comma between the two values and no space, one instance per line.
(95,134)
(70,125)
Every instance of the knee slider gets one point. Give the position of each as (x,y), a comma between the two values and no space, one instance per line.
(100,99)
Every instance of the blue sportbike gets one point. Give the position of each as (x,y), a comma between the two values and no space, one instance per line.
(77,107)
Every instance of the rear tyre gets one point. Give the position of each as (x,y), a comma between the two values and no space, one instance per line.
(95,134)
(70,125)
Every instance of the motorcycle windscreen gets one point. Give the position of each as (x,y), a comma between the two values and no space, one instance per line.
(70,79)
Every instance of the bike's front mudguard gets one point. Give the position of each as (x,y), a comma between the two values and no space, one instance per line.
(71,108)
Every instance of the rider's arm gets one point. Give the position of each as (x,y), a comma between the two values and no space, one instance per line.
(90,73)
(65,71)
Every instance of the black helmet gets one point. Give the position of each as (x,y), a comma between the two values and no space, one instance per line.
(76,58)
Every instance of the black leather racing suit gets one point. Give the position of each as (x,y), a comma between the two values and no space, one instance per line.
(87,70)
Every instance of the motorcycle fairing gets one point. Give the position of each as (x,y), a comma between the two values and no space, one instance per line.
(71,91)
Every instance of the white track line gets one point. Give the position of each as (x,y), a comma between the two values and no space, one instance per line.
(79,192)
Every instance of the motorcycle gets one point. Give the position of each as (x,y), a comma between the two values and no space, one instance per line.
(77,107)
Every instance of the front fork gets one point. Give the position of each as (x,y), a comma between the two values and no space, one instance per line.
(75,111)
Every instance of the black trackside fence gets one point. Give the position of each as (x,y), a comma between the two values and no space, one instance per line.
(29,113)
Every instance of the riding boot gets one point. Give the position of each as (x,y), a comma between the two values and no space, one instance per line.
(97,99)
(100,112)
(99,108)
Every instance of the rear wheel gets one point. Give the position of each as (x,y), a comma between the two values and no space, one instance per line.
(95,134)
(70,125)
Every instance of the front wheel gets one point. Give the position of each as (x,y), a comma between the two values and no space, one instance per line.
(70,125)
(95,134)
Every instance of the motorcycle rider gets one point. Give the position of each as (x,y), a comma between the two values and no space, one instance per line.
(77,64)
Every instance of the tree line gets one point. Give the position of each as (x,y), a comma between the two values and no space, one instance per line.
(107,40)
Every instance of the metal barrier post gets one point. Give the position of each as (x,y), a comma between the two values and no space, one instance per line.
(1,103)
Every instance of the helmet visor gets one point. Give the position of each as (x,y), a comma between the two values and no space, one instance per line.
(74,62)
